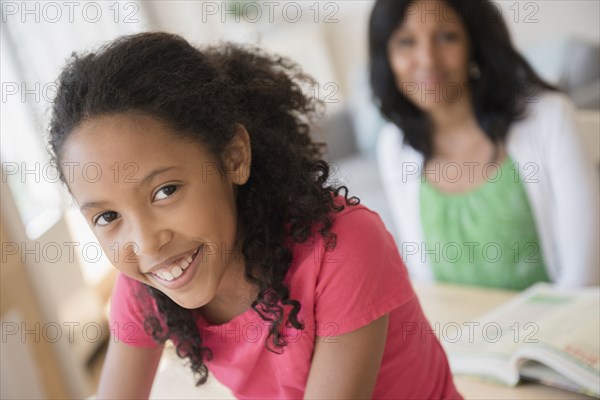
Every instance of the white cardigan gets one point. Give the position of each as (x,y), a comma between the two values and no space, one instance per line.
(562,190)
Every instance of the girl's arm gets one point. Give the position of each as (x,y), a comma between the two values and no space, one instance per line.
(128,371)
(346,366)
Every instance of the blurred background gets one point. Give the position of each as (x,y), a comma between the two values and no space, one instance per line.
(55,280)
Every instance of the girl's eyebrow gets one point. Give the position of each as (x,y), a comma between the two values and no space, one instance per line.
(92,204)
(144,181)
(153,174)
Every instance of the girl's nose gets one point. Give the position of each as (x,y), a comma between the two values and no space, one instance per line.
(148,238)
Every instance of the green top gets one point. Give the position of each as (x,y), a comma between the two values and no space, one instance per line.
(484,237)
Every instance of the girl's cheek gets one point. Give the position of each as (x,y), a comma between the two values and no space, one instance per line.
(119,254)
(127,260)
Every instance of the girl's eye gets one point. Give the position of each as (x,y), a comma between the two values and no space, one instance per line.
(165,192)
(106,218)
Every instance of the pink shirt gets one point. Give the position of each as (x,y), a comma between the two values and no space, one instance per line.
(340,291)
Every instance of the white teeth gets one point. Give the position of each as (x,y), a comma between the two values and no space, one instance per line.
(177,271)
(164,275)
(183,264)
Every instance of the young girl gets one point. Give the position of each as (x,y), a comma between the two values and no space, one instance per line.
(482,163)
(197,174)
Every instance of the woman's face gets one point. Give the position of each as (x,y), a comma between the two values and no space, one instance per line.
(429,53)
(158,205)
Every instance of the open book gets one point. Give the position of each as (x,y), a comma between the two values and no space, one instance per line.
(544,334)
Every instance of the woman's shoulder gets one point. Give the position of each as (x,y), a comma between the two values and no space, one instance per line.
(549,116)
(390,137)
(549,105)
(554,98)
(393,153)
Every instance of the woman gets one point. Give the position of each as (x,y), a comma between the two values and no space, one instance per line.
(483,167)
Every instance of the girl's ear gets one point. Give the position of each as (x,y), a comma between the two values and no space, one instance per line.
(238,156)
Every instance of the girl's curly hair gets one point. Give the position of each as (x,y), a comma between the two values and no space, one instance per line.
(202,94)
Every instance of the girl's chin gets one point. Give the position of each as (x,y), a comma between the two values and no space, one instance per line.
(190,303)
(189,306)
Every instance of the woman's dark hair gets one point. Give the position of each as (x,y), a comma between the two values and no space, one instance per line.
(202,94)
(499,96)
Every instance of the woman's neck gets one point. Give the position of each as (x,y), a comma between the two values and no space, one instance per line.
(457,135)
(453,118)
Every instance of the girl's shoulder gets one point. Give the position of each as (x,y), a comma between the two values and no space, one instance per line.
(354,217)
(359,279)
(131,303)
(131,295)
(358,231)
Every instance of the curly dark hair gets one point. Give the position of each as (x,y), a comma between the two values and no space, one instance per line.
(202,94)
(500,95)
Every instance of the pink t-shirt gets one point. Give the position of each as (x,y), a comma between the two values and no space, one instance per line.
(340,291)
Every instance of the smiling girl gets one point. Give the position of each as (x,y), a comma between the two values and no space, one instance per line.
(214,205)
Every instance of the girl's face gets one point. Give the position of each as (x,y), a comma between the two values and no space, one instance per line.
(428,55)
(160,208)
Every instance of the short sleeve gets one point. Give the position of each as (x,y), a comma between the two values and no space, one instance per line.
(126,315)
(362,278)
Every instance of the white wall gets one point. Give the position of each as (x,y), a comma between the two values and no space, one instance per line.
(554,18)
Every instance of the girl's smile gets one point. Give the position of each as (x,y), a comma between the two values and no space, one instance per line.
(159,206)
(177,273)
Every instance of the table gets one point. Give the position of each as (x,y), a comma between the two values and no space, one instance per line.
(445,303)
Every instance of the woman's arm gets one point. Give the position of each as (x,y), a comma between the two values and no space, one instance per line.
(575,184)
(346,366)
(128,371)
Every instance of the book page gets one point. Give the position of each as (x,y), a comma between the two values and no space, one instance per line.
(502,331)
(565,323)
(569,341)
